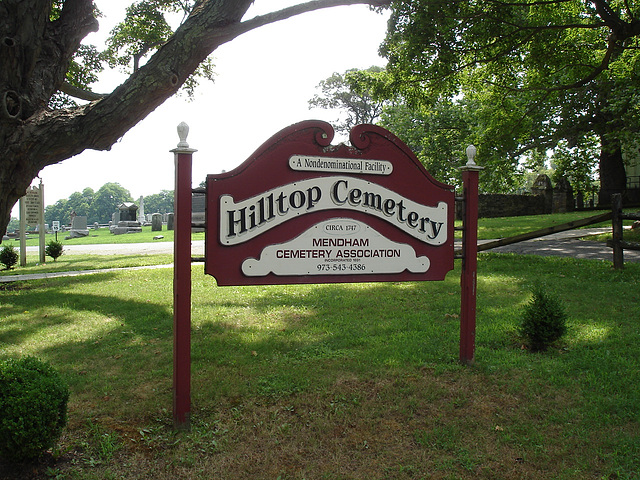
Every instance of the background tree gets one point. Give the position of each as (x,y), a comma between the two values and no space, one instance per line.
(57,211)
(96,206)
(159,202)
(107,200)
(78,202)
(14,224)
(348,92)
(538,73)
(438,134)
(42,58)
(577,163)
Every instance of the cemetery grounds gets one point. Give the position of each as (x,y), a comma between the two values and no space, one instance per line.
(350,381)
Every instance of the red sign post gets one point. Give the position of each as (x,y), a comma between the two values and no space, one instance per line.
(301,210)
(182,282)
(469,277)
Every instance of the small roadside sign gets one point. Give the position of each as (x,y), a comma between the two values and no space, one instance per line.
(33,205)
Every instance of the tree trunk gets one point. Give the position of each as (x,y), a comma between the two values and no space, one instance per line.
(613,176)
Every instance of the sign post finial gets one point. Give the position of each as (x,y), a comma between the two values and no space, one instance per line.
(471,155)
(183,132)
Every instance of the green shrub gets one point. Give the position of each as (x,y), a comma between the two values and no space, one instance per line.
(8,256)
(544,320)
(54,249)
(33,402)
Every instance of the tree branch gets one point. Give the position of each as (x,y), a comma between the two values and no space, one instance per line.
(606,13)
(232,31)
(80,93)
(597,70)
(210,25)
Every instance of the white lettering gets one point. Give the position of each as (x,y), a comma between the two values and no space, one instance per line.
(244,220)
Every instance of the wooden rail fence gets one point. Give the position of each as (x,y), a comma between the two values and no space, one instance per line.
(619,245)
(545,231)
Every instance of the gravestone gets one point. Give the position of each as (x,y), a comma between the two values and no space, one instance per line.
(128,220)
(542,186)
(562,196)
(141,216)
(156,222)
(198,210)
(78,227)
(128,212)
(169,221)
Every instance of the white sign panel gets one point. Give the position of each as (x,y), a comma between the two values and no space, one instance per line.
(32,205)
(307,163)
(338,246)
(245,220)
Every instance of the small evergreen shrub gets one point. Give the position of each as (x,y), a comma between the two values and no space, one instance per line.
(8,256)
(53,249)
(33,402)
(544,320)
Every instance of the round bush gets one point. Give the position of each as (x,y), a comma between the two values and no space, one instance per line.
(33,402)
(54,249)
(544,320)
(8,256)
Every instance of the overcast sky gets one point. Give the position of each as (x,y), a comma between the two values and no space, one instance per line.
(264,81)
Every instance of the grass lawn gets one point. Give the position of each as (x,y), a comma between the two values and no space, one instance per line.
(355,381)
(490,228)
(68,263)
(628,235)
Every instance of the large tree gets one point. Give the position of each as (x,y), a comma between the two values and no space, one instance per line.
(41,55)
(159,202)
(539,73)
(96,206)
(348,93)
(438,134)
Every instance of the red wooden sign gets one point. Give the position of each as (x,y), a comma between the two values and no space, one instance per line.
(301,210)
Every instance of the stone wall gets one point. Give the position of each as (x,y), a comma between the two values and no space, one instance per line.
(544,198)
(500,205)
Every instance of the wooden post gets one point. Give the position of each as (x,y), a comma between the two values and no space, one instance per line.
(468,279)
(616,227)
(23,233)
(41,229)
(182,282)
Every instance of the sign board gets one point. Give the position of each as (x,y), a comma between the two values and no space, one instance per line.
(301,210)
(55,225)
(33,206)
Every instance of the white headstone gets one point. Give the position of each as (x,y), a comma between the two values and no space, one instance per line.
(141,217)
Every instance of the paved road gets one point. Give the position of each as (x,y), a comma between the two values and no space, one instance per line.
(568,244)
(154,248)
